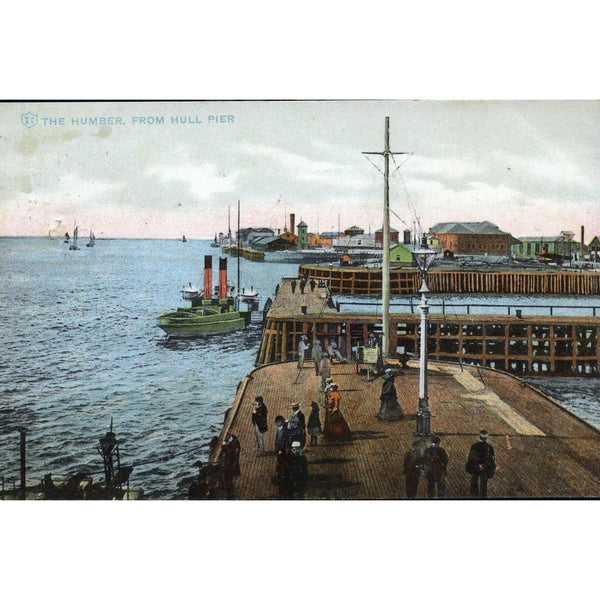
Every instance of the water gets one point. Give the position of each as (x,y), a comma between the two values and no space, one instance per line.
(81,345)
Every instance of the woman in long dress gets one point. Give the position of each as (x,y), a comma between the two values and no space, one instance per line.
(336,427)
(389,410)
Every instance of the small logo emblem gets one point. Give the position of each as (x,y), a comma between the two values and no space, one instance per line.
(29,119)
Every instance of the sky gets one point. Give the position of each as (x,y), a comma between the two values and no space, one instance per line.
(530,167)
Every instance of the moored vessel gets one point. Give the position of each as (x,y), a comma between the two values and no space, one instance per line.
(206,315)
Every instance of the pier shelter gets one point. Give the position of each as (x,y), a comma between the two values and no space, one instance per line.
(515,343)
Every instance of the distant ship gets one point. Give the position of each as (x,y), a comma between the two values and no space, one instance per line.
(92,241)
(183,239)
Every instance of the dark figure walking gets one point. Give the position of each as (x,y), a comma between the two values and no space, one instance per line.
(296,427)
(436,468)
(413,465)
(293,284)
(314,423)
(259,420)
(317,355)
(298,471)
(282,477)
(481,465)
(389,410)
(231,461)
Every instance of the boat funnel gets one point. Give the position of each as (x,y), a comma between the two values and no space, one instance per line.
(208,276)
(222,278)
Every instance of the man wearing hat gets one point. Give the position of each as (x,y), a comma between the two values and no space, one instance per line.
(298,471)
(297,425)
(481,465)
(302,348)
(259,420)
(436,468)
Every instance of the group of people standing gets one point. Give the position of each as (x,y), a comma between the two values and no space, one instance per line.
(433,464)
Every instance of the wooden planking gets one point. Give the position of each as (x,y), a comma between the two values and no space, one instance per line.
(564,462)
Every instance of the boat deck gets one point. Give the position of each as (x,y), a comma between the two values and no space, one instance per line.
(542,450)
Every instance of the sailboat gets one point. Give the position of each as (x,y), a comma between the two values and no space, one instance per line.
(67,237)
(215,242)
(73,245)
(92,241)
(183,239)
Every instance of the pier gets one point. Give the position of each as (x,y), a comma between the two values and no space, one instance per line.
(521,344)
(253,255)
(367,281)
(542,450)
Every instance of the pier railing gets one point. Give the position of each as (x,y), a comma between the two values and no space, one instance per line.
(472,307)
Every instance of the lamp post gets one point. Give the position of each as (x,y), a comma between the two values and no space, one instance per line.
(424,257)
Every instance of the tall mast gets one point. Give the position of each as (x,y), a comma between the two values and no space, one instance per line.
(385,265)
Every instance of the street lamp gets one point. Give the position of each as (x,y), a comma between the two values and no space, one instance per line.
(424,257)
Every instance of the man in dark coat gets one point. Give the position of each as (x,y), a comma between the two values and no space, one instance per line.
(231,461)
(413,465)
(297,425)
(259,420)
(389,410)
(298,471)
(436,468)
(481,465)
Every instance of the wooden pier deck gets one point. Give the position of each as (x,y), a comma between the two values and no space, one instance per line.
(542,450)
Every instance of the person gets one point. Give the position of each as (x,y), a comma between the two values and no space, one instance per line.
(312,285)
(336,427)
(314,423)
(259,420)
(302,348)
(231,461)
(412,466)
(436,468)
(293,284)
(481,465)
(389,409)
(325,369)
(297,425)
(298,471)
(280,434)
(317,355)
(333,351)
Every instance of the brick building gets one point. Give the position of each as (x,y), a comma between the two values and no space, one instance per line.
(472,238)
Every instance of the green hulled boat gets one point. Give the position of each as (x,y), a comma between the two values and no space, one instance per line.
(205,316)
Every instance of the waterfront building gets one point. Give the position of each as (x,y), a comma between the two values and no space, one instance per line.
(594,248)
(356,242)
(563,245)
(393,236)
(402,254)
(302,235)
(472,238)
(354,230)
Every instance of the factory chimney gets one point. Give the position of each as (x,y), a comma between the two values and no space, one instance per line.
(292,223)
(581,244)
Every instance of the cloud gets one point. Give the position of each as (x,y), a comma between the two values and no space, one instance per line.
(203,181)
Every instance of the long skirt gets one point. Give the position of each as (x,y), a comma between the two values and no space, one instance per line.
(336,427)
